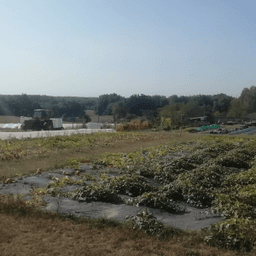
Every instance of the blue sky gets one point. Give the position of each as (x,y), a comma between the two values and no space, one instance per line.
(87,48)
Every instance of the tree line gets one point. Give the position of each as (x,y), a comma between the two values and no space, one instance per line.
(175,106)
(65,107)
(134,106)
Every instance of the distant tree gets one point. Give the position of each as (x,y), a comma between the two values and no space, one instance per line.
(160,101)
(217,113)
(170,112)
(150,115)
(249,96)
(183,99)
(173,99)
(119,110)
(138,104)
(105,103)
(130,116)
(22,105)
(87,119)
(238,108)
(192,109)
(221,103)
(73,109)
(4,107)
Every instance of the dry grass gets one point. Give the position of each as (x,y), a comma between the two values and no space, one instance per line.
(26,231)
(134,125)
(35,156)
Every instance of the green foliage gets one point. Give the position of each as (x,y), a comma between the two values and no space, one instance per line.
(238,108)
(248,194)
(131,185)
(234,233)
(60,183)
(249,96)
(68,141)
(231,207)
(112,159)
(145,221)
(74,162)
(219,172)
(88,176)
(119,110)
(199,105)
(214,171)
(96,192)
(170,116)
(24,105)
(242,178)
(159,200)
(166,123)
(105,103)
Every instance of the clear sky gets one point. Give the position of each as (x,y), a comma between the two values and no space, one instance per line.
(88,48)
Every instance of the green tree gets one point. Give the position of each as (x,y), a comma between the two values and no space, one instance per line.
(170,111)
(119,110)
(105,103)
(238,108)
(249,96)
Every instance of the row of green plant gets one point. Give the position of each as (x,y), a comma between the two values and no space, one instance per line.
(213,171)
(219,172)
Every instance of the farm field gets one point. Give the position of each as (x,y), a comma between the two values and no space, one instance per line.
(211,171)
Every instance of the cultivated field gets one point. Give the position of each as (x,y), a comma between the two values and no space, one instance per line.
(215,171)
